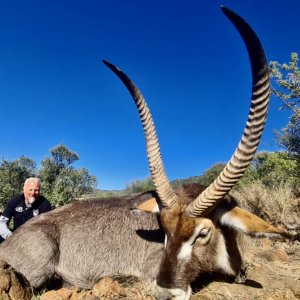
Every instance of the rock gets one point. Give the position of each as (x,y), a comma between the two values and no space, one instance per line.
(61,294)
(87,295)
(13,285)
(107,287)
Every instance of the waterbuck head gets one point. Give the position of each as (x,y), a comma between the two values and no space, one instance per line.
(201,227)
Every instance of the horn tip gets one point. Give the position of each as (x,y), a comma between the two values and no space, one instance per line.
(111,66)
(108,64)
(228,12)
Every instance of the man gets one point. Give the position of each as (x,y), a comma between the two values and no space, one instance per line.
(24,207)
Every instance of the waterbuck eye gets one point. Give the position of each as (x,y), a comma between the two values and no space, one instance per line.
(203,233)
(203,236)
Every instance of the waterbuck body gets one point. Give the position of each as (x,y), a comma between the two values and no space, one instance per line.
(107,235)
(183,233)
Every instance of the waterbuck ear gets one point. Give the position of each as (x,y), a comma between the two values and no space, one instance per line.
(150,205)
(248,223)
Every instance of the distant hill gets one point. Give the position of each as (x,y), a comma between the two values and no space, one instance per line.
(98,193)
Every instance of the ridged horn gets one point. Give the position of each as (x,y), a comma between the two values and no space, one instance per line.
(158,174)
(245,151)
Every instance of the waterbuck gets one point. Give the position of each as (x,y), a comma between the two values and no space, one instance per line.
(189,232)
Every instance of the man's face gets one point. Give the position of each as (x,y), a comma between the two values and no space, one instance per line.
(31,191)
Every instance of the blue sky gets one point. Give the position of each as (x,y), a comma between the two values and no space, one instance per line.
(185,56)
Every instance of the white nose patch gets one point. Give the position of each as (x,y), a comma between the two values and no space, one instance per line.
(222,256)
(178,294)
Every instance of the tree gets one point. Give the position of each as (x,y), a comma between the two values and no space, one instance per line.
(273,169)
(61,182)
(286,82)
(61,158)
(289,137)
(70,184)
(211,174)
(13,175)
(286,86)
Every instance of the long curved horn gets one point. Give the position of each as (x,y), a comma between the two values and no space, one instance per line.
(245,151)
(158,174)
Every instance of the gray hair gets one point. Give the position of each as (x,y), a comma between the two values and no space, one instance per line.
(32,179)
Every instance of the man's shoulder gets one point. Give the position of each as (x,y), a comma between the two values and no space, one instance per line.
(43,199)
(12,204)
(43,202)
(17,199)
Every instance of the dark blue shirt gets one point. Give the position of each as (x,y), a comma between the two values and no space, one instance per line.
(17,209)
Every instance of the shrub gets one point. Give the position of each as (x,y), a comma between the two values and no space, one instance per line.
(277,204)
(140,186)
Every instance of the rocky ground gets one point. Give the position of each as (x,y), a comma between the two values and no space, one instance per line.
(272,273)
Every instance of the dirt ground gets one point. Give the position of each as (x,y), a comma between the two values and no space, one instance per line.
(271,272)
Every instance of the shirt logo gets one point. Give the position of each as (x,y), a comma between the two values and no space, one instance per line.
(19,209)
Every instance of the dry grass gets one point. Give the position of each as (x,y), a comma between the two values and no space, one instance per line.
(277,205)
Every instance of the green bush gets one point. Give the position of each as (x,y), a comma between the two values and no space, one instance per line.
(13,175)
(139,186)
(273,169)
(61,182)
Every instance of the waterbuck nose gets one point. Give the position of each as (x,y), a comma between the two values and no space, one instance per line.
(163,294)
(172,293)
